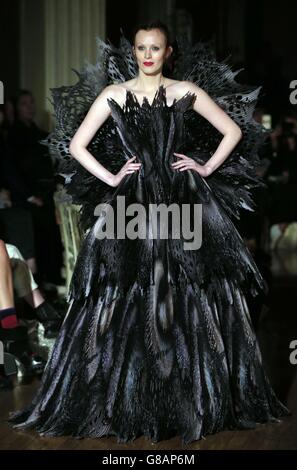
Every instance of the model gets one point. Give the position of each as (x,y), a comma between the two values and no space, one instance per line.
(157,340)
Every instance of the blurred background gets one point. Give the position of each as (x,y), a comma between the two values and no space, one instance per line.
(41,42)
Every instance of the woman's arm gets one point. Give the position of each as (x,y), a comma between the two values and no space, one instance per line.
(97,115)
(232,133)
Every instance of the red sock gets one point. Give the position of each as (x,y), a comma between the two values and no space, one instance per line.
(8,318)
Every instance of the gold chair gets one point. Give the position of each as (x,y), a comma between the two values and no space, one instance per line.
(68,220)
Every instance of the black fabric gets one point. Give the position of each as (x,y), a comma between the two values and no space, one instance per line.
(16,228)
(26,161)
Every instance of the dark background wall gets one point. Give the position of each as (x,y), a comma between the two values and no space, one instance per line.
(9,44)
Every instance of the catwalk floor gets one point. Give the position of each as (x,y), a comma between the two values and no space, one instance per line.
(277,328)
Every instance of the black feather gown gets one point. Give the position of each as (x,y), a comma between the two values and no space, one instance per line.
(157,340)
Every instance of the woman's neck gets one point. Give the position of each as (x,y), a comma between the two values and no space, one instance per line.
(149,83)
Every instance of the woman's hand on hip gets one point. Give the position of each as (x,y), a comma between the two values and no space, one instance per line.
(129,167)
(187,163)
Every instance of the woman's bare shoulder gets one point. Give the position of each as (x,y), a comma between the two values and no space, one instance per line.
(118,90)
(176,89)
(114,91)
(185,86)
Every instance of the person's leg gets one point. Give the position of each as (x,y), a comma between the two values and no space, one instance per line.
(6,287)
(8,317)
(23,280)
(44,312)
(14,337)
(34,298)
(31,262)
(26,288)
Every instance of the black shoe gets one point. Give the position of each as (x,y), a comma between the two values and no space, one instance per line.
(51,329)
(30,364)
(46,312)
(50,319)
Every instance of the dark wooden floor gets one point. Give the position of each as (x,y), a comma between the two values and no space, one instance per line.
(277,329)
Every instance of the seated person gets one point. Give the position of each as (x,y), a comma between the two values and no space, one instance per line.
(26,288)
(13,336)
(15,276)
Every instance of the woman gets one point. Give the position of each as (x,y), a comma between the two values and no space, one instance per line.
(158,339)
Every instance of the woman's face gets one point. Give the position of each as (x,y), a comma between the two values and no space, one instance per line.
(150,50)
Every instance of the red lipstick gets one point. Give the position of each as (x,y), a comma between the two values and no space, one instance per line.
(148,64)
